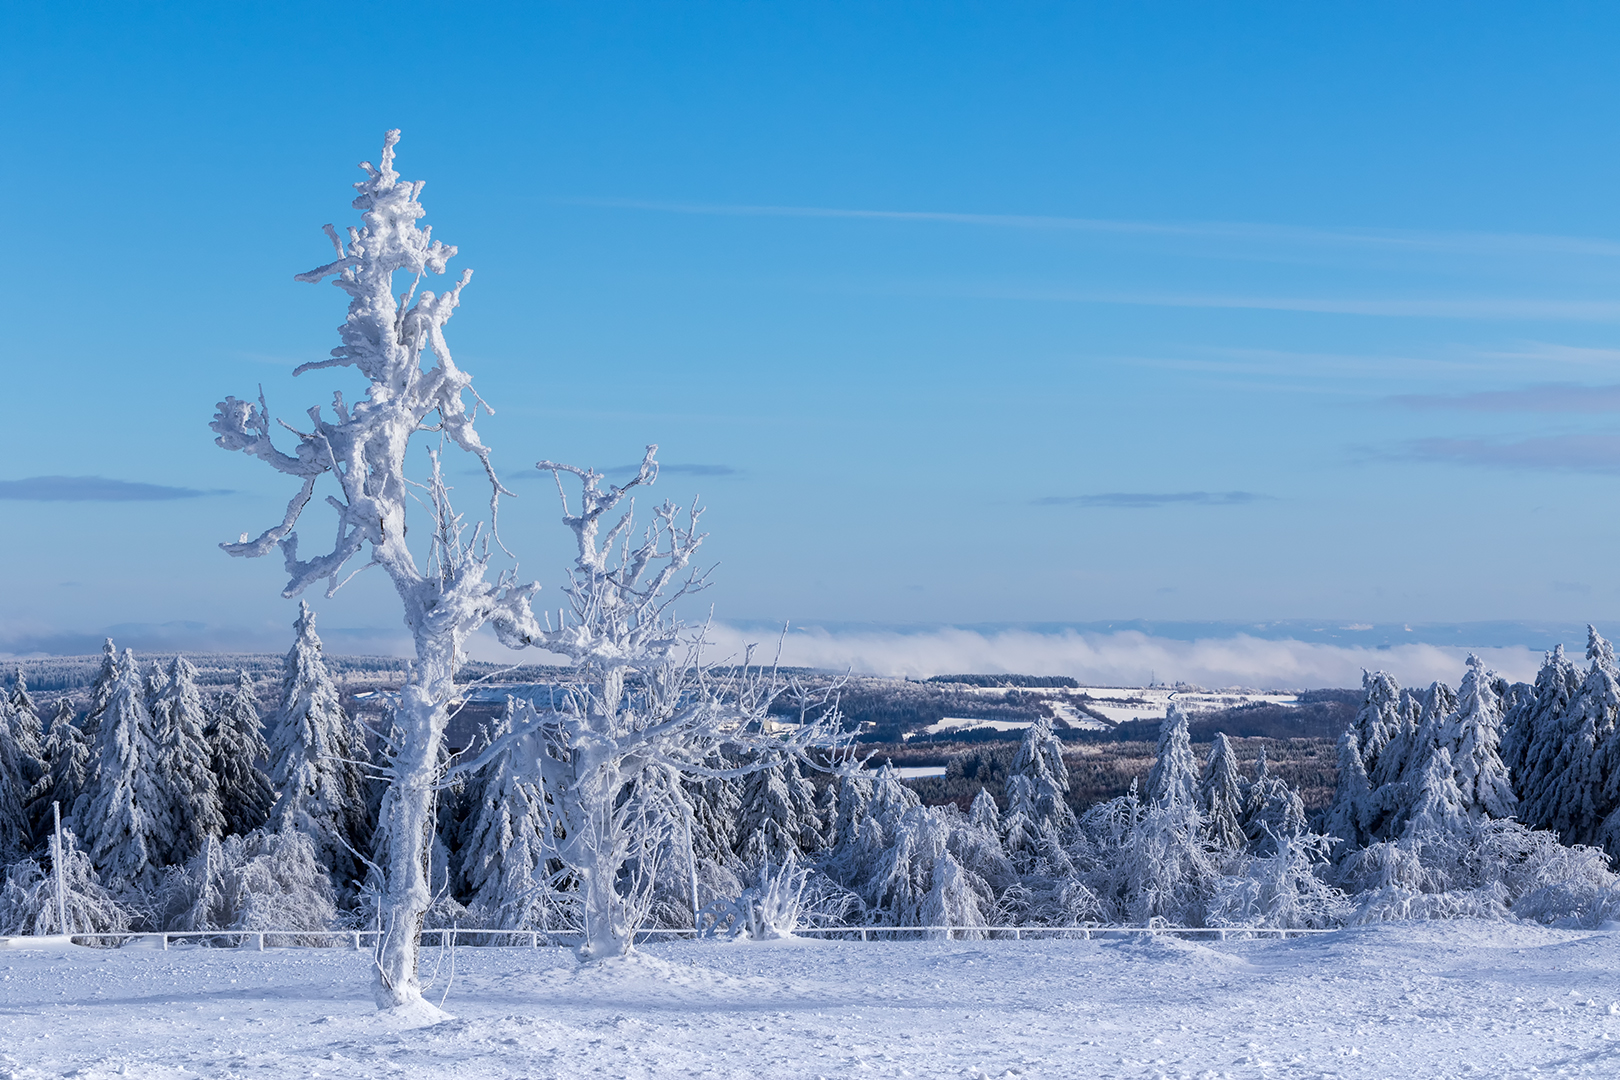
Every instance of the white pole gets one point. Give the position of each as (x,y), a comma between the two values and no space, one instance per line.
(56,863)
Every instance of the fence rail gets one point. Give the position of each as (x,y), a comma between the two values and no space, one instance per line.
(454,936)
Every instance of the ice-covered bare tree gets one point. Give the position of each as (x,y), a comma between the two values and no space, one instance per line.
(395,340)
(639,712)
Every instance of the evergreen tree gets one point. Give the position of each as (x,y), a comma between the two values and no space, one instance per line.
(1173,781)
(1273,812)
(1535,737)
(779,817)
(67,752)
(1379,720)
(1472,735)
(101,692)
(1221,796)
(317,754)
(1348,817)
(1573,799)
(125,811)
(1439,806)
(504,847)
(25,729)
(984,815)
(15,835)
(236,745)
(1038,782)
(185,766)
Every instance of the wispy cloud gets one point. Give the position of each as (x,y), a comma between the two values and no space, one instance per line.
(1495,308)
(1564,453)
(1470,242)
(1546,398)
(94,489)
(1130,500)
(682,470)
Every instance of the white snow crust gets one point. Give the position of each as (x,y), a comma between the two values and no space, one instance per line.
(1438,999)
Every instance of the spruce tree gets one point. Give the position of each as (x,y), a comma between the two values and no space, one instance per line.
(1378,721)
(1438,807)
(1572,800)
(125,812)
(236,745)
(1273,811)
(984,815)
(1534,734)
(15,835)
(25,729)
(504,846)
(1473,735)
(67,752)
(1038,781)
(1347,818)
(779,817)
(185,764)
(317,753)
(1173,780)
(1221,796)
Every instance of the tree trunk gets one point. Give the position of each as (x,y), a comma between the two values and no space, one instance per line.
(408,821)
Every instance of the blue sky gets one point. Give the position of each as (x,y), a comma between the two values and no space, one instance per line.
(953,314)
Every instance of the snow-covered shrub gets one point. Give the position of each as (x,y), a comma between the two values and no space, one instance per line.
(28,898)
(1281,890)
(263,881)
(1145,862)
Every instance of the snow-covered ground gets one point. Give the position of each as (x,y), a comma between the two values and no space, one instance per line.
(1429,1000)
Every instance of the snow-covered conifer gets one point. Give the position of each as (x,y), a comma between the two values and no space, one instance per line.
(1472,733)
(1438,805)
(125,810)
(1348,818)
(1273,811)
(1571,799)
(26,729)
(185,765)
(1222,793)
(318,755)
(505,845)
(983,813)
(1173,780)
(1038,781)
(15,835)
(67,753)
(779,821)
(236,745)
(1378,721)
(1535,737)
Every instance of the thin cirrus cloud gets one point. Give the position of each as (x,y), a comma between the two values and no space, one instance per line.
(1545,398)
(95,489)
(1505,243)
(1563,453)
(1132,500)
(676,469)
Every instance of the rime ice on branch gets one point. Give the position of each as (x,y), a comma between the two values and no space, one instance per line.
(397,342)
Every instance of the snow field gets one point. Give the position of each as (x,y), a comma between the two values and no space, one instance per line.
(1465,999)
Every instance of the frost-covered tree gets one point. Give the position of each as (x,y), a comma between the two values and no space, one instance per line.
(779,821)
(67,753)
(15,835)
(395,340)
(23,718)
(125,810)
(1380,720)
(983,813)
(1571,799)
(638,712)
(1281,890)
(1533,745)
(1473,735)
(185,766)
(236,746)
(1348,817)
(1273,811)
(1038,781)
(318,755)
(28,898)
(1438,806)
(1222,793)
(505,846)
(1173,780)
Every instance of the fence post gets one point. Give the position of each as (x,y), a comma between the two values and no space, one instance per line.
(863,933)
(261,942)
(357,941)
(165,942)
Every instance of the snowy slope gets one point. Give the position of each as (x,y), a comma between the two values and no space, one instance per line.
(1430,1000)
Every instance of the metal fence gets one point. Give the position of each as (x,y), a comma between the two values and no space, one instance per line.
(456,936)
